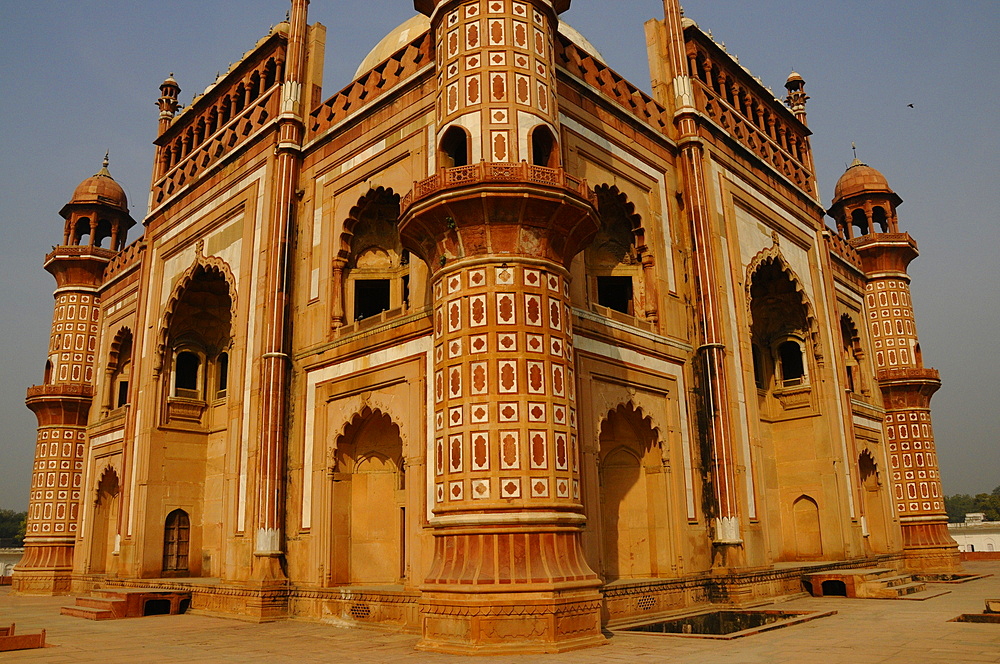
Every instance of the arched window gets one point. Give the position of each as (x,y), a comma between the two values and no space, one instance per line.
(613,259)
(454,148)
(222,374)
(780,324)
(792,367)
(376,268)
(879,219)
(860,221)
(853,354)
(759,368)
(48,372)
(119,368)
(81,232)
(186,375)
(544,150)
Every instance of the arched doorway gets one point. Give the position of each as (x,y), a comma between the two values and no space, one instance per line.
(176,544)
(368,546)
(634,509)
(106,509)
(871,488)
(808,537)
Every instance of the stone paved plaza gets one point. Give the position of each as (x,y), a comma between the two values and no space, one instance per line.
(864,631)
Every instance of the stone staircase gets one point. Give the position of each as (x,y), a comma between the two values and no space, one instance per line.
(112,604)
(870,582)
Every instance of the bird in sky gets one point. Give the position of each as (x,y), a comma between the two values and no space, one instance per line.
(909,105)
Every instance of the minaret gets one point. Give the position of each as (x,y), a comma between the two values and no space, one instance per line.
(168,105)
(864,204)
(98,211)
(796,102)
(499,224)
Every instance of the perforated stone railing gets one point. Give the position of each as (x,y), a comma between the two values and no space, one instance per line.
(486,172)
(842,248)
(401,65)
(125,259)
(228,137)
(595,73)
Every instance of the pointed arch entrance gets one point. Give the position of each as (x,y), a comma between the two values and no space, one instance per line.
(634,510)
(369,480)
(105,531)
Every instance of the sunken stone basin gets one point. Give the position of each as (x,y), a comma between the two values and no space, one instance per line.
(729,624)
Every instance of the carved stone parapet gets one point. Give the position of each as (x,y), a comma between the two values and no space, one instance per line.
(908,375)
(498,209)
(59,390)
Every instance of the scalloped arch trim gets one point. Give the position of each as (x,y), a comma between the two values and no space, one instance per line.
(355,215)
(773,254)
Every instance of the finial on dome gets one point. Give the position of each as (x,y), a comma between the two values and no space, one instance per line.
(856,162)
(104,165)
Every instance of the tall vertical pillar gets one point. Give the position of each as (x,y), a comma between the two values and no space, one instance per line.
(274,363)
(98,211)
(508,574)
(727,538)
(864,200)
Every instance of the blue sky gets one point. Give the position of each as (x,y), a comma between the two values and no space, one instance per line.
(79,78)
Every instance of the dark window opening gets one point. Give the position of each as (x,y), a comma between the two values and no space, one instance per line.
(223,368)
(48,372)
(543,147)
(792,368)
(615,293)
(406,291)
(758,367)
(454,148)
(186,373)
(371,297)
(122,394)
(879,219)
(860,221)
(850,378)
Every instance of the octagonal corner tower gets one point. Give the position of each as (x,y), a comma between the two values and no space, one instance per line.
(499,223)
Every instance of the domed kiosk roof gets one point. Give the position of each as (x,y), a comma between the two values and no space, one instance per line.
(860,178)
(412,28)
(100,189)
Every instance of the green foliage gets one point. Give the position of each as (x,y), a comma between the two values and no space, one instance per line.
(958,506)
(12,526)
(961,504)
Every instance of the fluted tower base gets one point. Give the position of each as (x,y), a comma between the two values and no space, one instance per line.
(929,548)
(45,569)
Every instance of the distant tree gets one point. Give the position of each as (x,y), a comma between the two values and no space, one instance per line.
(12,526)
(958,506)
(989,505)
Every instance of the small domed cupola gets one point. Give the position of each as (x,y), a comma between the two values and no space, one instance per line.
(98,210)
(863,202)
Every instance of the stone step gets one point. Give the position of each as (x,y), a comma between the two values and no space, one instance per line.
(88,612)
(910,588)
(924,594)
(97,602)
(894,581)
